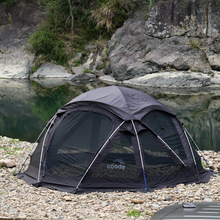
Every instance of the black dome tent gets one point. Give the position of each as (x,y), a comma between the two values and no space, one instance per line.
(114,138)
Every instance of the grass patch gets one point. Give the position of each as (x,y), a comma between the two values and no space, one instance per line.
(86,70)
(5,148)
(196,43)
(34,68)
(148,214)
(134,213)
(13,141)
(8,150)
(204,164)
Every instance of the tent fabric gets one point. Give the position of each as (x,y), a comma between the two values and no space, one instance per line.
(125,102)
(114,138)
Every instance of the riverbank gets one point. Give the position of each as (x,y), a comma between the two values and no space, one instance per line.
(22,201)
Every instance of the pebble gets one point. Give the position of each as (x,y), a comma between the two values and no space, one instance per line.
(135,201)
(168,198)
(22,201)
(67,198)
(208,200)
(155,206)
(7,163)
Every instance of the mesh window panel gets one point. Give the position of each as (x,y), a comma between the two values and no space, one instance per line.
(197,157)
(75,142)
(158,163)
(35,158)
(163,125)
(119,162)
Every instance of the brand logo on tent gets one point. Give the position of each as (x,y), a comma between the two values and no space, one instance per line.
(118,164)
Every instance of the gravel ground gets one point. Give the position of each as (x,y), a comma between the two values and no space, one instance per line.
(22,201)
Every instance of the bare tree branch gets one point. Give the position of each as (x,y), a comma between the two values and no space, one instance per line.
(71,15)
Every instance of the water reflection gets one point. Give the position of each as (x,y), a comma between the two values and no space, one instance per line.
(201,116)
(25,108)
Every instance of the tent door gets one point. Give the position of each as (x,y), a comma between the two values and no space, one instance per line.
(117,164)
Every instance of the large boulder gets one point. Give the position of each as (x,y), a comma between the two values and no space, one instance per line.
(51,70)
(170,80)
(179,35)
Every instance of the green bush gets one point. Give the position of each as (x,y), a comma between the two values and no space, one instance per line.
(8,2)
(70,25)
(48,44)
(112,14)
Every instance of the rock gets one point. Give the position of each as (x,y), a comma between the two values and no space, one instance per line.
(49,82)
(168,198)
(103,204)
(21,216)
(93,58)
(137,201)
(208,200)
(78,70)
(15,60)
(214,61)
(67,198)
(7,163)
(51,70)
(19,199)
(15,64)
(82,78)
(180,79)
(155,206)
(109,79)
(178,57)
(170,37)
(172,80)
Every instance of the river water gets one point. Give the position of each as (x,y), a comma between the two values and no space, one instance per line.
(26,106)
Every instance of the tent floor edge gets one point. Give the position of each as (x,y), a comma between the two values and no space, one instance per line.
(37,184)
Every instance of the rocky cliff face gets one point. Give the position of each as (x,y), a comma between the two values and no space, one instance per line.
(17,23)
(154,48)
(171,36)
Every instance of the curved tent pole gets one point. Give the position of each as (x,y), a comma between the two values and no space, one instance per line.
(90,165)
(188,134)
(141,156)
(171,149)
(42,149)
(161,140)
(45,128)
(168,147)
(193,156)
(32,150)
